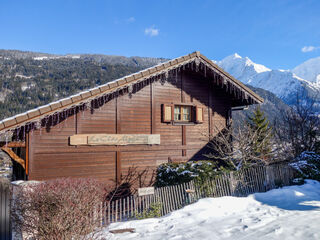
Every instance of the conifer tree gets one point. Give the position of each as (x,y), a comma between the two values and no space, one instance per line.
(263,132)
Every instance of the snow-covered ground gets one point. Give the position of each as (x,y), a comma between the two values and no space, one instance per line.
(287,213)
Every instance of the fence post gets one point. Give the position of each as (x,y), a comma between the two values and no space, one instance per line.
(5,223)
(232,184)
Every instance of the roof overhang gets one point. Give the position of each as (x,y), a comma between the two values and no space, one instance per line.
(162,71)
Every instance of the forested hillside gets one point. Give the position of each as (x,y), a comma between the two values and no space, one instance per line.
(272,106)
(28,79)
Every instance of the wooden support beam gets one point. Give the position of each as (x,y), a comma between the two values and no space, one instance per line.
(153,109)
(210,109)
(27,153)
(184,140)
(118,120)
(13,144)
(183,128)
(14,156)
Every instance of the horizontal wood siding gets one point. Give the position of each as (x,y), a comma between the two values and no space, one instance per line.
(167,93)
(51,155)
(74,165)
(101,120)
(135,112)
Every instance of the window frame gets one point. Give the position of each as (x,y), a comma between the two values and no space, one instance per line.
(165,118)
(181,113)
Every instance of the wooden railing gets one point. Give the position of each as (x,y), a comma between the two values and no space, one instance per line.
(239,183)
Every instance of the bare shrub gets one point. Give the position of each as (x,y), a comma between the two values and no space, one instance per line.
(237,147)
(66,208)
(297,129)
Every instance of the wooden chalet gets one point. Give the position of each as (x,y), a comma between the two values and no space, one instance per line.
(163,113)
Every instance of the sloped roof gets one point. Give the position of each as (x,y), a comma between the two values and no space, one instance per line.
(80,98)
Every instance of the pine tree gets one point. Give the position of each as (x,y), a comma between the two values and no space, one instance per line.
(263,132)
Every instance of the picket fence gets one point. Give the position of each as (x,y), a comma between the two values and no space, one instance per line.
(239,183)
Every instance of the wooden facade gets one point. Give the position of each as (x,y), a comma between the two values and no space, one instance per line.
(138,109)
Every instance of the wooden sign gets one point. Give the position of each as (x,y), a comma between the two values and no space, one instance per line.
(114,139)
(145,191)
(159,162)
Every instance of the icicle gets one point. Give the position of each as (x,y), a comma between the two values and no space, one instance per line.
(46,122)
(176,74)
(197,62)
(18,132)
(101,101)
(24,132)
(6,137)
(74,114)
(130,89)
(40,127)
(27,129)
(63,116)
(166,75)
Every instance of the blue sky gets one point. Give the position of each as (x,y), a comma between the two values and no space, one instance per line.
(276,33)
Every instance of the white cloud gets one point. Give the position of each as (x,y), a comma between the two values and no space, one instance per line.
(130,20)
(151,31)
(309,49)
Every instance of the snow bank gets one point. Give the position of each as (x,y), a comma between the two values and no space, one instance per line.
(288,213)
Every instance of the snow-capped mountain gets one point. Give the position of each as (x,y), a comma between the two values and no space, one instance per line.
(310,71)
(283,83)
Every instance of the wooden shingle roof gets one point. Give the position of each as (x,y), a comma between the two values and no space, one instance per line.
(80,98)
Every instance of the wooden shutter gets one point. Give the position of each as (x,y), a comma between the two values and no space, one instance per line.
(199,114)
(167,113)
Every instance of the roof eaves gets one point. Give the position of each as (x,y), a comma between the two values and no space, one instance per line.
(113,85)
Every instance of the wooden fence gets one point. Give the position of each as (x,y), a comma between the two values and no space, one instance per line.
(170,198)
(5,223)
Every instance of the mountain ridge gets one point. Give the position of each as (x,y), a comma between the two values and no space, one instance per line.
(100,58)
(285,84)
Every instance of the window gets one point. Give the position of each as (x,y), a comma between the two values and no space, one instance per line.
(182,113)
